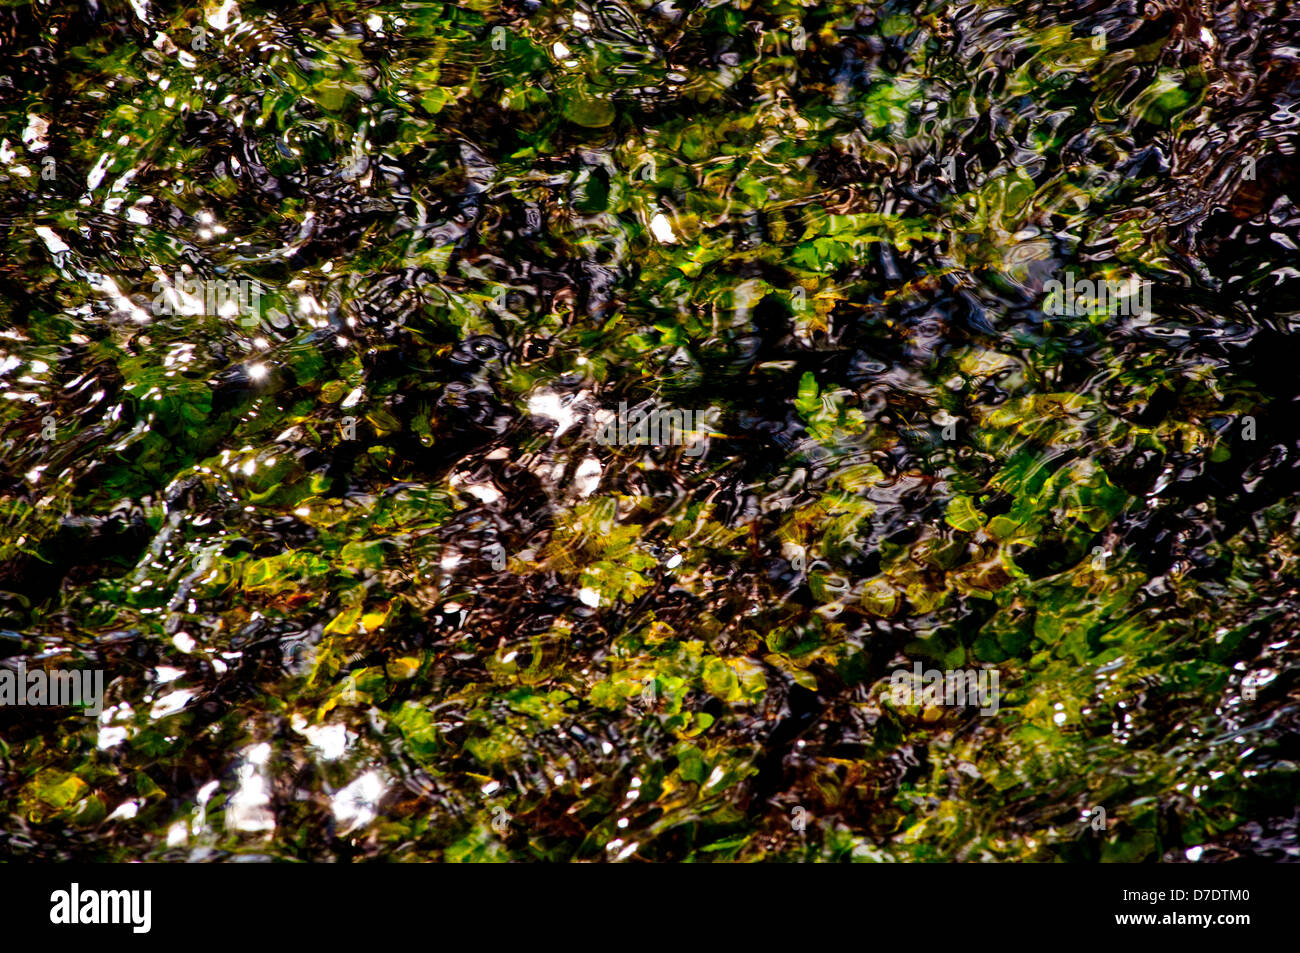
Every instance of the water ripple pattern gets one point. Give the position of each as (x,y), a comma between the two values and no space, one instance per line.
(581,430)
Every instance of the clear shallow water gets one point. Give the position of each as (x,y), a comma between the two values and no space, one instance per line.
(362,575)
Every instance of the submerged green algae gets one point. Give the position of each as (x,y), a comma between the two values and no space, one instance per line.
(365,583)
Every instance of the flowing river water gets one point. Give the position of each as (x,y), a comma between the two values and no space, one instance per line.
(325,329)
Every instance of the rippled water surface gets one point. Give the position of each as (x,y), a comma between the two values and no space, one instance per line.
(366,577)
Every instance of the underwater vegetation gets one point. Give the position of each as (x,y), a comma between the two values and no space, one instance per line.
(547,430)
